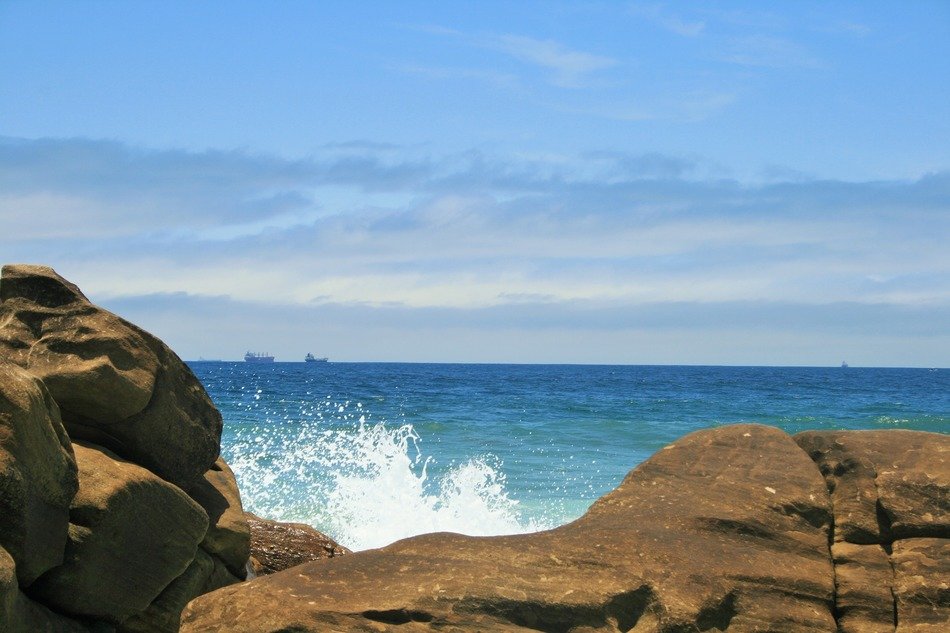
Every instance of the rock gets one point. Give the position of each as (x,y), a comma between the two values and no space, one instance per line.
(229,536)
(19,614)
(276,546)
(885,485)
(130,535)
(922,585)
(116,384)
(38,477)
(726,528)
(864,582)
(887,488)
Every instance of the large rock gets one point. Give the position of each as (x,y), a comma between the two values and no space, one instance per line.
(19,614)
(888,488)
(130,535)
(885,485)
(229,536)
(116,384)
(922,585)
(724,529)
(37,475)
(276,546)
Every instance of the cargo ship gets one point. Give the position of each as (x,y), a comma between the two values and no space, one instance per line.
(310,358)
(254,357)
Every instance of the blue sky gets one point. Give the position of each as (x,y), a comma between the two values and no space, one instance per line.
(616,182)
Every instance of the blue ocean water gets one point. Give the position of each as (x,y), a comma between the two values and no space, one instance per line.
(373,452)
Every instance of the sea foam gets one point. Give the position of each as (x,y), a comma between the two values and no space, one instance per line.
(368,484)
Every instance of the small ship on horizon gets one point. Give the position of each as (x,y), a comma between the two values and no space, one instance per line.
(310,358)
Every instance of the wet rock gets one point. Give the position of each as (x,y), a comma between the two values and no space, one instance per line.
(276,546)
(726,528)
(131,534)
(38,478)
(116,385)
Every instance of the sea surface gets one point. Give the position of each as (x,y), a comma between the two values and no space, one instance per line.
(373,452)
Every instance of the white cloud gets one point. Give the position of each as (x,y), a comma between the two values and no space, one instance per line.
(570,68)
(659,15)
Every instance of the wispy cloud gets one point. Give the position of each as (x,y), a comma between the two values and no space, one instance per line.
(769,51)
(569,68)
(565,67)
(672,22)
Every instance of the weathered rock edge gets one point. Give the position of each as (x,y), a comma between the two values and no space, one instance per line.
(153,518)
(726,529)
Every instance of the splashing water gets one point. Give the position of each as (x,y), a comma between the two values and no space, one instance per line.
(368,484)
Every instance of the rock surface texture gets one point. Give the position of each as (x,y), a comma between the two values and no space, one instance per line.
(276,546)
(890,491)
(114,512)
(115,384)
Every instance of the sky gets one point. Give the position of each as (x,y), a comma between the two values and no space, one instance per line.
(736,183)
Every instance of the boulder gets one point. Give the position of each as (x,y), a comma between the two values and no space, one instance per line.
(864,583)
(116,385)
(38,478)
(724,529)
(888,488)
(19,614)
(131,534)
(922,585)
(885,485)
(228,537)
(276,546)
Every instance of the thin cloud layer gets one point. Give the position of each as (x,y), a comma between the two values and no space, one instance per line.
(467,231)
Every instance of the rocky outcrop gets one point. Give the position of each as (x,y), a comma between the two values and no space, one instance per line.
(37,475)
(727,528)
(131,533)
(113,509)
(229,535)
(890,492)
(276,546)
(115,384)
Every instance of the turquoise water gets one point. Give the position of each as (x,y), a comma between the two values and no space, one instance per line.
(373,452)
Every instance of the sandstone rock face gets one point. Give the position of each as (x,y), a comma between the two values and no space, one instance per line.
(727,528)
(19,614)
(228,537)
(115,384)
(276,546)
(37,475)
(890,492)
(131,533)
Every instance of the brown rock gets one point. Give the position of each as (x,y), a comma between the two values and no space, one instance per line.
(228,536)
(164,614)
(37,474)
(131,534)
(116,384)
(19,614)
(726,528)
(922,585)
(864,582)
(276,546)
(885,485)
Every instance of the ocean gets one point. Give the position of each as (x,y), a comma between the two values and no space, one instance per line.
(373,452)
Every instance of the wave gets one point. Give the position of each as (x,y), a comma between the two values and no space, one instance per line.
(368,484)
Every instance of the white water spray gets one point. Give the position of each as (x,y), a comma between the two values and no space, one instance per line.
(368,485)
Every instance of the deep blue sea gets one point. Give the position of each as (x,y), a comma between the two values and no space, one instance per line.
(373,452)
